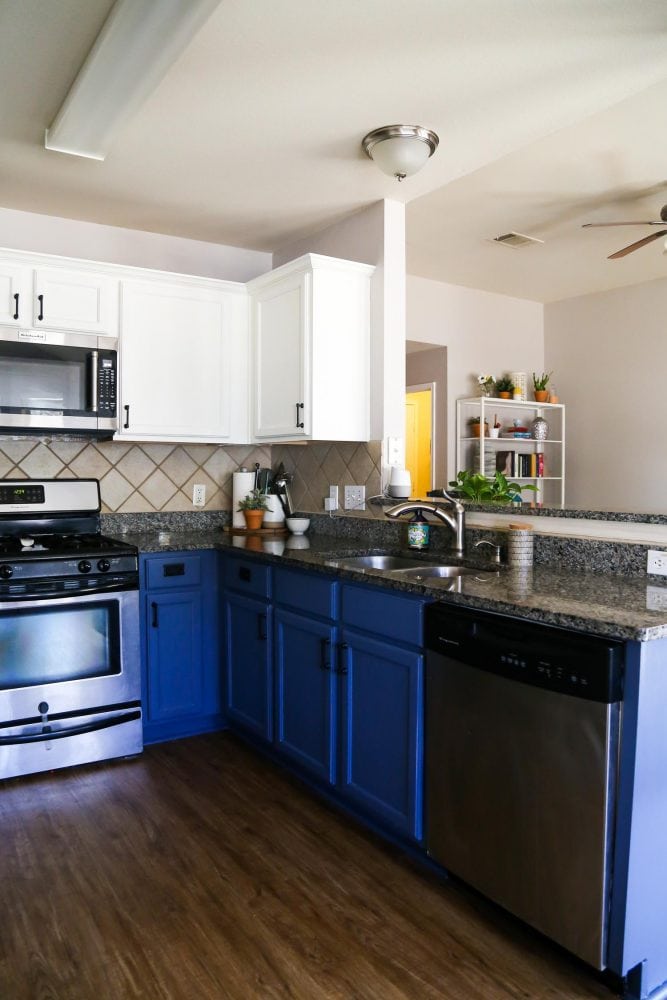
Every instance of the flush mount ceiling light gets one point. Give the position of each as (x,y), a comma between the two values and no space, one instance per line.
(137,45)
(400,150)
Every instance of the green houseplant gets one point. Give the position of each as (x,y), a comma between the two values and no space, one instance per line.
(253,506)
(475,486)
(540,383)
(504,387)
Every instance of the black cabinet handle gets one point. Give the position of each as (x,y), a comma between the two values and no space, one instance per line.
(154,617)
(299,406)
(342,665)
(261,627)
(325,658)
(127,417)
(173,569)
(16,305)
(40,299)
(244,573)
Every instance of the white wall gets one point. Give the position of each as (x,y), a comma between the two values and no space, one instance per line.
(609,353)
(482,331)
(113,245)
(375,235)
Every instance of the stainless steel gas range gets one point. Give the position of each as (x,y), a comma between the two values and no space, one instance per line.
(70,681)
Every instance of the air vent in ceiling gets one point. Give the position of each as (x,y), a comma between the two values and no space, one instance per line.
(515,240)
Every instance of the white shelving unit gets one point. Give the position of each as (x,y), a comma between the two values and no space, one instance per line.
(481,454)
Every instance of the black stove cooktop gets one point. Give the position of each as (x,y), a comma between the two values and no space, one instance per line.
(36,546)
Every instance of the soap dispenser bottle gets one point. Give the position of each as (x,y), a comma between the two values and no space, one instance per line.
(418,532)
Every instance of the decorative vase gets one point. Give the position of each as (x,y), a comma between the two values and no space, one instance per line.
(541,395)
(540,429)
(253,519)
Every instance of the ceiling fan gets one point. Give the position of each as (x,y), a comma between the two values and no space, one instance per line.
(640,243)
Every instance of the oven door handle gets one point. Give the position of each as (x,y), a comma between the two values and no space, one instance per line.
(90,727)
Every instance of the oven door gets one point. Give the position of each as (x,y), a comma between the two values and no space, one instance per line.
(53,382)
(68,655)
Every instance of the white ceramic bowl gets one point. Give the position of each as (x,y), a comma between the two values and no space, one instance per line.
(298,525)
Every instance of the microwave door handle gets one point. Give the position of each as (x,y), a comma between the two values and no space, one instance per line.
(94,370)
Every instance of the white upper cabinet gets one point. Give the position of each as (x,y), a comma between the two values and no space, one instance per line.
(52,293)
(311,351)
(77,301)
(184,361)
(15,294)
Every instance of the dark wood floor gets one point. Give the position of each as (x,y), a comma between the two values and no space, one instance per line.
(201,871)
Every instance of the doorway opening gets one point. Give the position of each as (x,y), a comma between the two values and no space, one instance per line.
(419,429)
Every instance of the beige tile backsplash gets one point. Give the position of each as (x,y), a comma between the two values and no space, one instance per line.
(159,477)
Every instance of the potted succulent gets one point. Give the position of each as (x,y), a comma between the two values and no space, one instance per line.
(504,387)
(475,486)
(476,427)
(253,506)
(540,383)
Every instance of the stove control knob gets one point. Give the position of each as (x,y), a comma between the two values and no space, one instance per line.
(6,571)
(103,565)
(84,566)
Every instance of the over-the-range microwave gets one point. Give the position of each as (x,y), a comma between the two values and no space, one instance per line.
(62,383)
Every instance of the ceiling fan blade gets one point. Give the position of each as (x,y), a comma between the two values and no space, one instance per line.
(600,225)
(637,245)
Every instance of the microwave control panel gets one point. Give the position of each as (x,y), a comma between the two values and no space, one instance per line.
(106,384)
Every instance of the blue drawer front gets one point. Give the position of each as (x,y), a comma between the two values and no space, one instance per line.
(174,570)
(386,614)
(307,593)
(247,576)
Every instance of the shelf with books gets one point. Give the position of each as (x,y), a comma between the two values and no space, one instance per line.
(524,458)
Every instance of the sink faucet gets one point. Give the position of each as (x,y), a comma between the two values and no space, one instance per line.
(455,521)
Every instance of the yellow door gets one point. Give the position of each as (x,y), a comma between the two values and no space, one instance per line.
(418,440)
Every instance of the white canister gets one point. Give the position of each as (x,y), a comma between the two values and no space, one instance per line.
(274,513)
(519,545)
(243,482)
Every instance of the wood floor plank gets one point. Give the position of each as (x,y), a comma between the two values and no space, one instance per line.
(200,870)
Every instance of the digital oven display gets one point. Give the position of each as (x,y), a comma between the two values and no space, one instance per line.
(21,494)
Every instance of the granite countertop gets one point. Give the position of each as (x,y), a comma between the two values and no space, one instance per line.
(615,606)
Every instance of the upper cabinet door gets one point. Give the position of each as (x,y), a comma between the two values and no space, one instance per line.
(178,361)
(14,294)
(280,320)
(311,351)
(76,301)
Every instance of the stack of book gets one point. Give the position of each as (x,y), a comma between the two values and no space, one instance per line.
(521,464)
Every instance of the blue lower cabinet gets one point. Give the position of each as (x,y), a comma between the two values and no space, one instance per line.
(248,664)
(181,677)
(305,689)
(382,716)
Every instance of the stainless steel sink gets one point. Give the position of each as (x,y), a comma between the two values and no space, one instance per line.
(435,572)
(386,563)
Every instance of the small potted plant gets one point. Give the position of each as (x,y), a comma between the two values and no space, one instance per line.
(480,489)
(253,506)
(540,383)
(504,387)
(494,432)
(476,427)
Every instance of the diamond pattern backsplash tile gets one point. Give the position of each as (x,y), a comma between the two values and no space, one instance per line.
(135,477)
(321,464)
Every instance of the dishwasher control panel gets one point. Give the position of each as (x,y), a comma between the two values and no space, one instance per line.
(545,656)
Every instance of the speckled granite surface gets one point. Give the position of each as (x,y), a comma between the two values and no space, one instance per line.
(612,605)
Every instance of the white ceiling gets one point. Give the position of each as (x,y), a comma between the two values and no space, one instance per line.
(253,137)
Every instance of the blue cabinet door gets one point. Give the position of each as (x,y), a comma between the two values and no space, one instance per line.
(174,639)
(248,664)
(305,687)
(382,730)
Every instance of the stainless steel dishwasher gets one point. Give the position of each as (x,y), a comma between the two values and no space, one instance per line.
(521,755)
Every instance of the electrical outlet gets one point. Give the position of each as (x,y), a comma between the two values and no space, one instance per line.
(199,495)
(656,598)
(656,562)
(355,498)
(330,504)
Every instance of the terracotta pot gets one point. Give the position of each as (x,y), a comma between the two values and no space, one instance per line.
(504,395)
(541,395)
(477,430)
(253,519)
